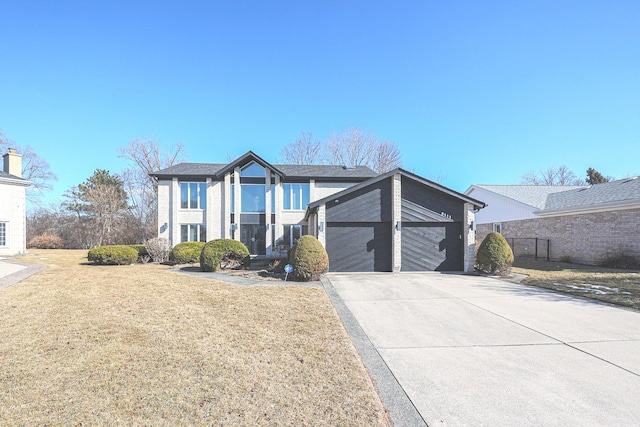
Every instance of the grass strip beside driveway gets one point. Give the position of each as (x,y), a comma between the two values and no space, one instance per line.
(615,286)
(140,345)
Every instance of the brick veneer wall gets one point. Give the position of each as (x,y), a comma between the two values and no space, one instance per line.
(584,238)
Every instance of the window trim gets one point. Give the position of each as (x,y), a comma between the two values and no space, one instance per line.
(201,196)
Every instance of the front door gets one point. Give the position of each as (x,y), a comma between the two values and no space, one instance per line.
(253,237)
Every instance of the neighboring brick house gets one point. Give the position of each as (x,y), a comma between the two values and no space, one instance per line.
(12,205)
(584,224)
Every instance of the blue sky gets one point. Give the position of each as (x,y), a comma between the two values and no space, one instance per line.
(474,92)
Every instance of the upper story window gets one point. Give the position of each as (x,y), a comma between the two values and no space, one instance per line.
(193,195)
(295,196)
(253,170)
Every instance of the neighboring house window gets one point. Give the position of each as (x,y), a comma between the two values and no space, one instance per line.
(498,227)
(252,198)
(292,233)
(193,195)
(193,233)
(296,196)
(3,234)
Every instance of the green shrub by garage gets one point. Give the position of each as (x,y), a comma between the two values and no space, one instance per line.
(224,253)
(309,259)
(113,255)
(187,252)
(494,255)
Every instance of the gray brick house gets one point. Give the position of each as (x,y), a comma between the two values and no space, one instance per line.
(583,224)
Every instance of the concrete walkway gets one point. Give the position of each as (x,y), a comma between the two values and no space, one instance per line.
(11,272)
(465,350)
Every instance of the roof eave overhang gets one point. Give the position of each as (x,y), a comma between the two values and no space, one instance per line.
(603,207)
(15,181)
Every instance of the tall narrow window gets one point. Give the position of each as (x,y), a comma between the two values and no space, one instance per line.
(252,198)
(3,234)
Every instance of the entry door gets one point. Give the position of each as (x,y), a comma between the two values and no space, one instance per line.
(253,237)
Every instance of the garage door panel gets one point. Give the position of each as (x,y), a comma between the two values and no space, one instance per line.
(359,247)
(431,247)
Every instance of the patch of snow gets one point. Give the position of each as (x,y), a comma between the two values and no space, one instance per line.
(594,289)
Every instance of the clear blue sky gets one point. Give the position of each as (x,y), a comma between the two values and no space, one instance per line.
(475,91)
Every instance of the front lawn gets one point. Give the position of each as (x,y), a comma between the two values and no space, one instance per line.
(621,287)
(141,345)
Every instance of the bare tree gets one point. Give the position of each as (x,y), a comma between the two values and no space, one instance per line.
(355,147)
(34,169)
(552,175)
(146,157)
(303,151)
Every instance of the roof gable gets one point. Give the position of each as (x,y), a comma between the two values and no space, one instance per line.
(314,205)
(248,157)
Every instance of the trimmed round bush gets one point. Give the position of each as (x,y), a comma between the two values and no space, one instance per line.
(187,252)
(224,254)
(494,255)
(45,241)
(309,259)
(113,255)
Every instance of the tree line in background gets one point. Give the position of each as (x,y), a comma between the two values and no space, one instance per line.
(122,208)
(353,147)
(562,175)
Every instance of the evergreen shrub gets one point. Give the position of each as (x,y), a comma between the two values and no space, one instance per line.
(113,255)
(494,255)
(309,259)
(224,254)
(187,252)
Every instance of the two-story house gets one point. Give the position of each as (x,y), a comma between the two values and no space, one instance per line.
(397,221)
(12,205)
(250,200)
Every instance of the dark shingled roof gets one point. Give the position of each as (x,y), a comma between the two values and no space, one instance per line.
(620,192)
(290,171)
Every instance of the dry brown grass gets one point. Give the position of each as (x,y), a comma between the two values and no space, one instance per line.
(552,275)
(141,345)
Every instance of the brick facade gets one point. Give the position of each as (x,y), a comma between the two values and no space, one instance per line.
(583,238)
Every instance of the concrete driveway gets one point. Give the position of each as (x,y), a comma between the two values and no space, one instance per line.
(464,350)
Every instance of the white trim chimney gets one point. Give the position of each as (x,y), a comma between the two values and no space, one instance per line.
(13,163)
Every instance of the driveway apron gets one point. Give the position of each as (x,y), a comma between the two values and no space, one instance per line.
(468,350)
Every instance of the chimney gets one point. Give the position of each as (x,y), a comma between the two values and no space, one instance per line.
(13,163)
